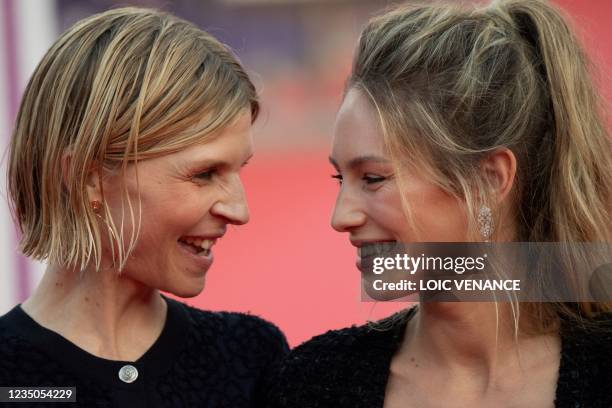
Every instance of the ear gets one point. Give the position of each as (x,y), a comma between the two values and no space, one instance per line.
(92,181)
(500,168)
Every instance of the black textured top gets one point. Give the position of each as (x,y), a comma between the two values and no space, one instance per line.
(201,359)
(349,368)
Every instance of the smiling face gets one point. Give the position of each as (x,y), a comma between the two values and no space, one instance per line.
(369,205)
(187,199)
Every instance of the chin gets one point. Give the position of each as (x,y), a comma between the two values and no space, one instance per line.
(187,289)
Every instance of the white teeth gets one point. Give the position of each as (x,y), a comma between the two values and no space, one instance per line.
(205,244)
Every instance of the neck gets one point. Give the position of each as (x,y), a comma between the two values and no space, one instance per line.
(473,344)
(105,313)
(463,333)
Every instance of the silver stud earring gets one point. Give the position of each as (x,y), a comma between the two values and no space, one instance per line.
(485,222)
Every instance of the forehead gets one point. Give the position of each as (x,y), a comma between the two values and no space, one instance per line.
(234,138)
(230,145)
(357,131)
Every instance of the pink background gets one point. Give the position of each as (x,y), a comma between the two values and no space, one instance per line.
(287,265)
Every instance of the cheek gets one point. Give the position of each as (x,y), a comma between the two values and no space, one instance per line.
(436,215)
(442,218)
(173,213)
(167,214)
(161,226)
(385,210)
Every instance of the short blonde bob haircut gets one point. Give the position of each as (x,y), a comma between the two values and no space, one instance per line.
(125,85)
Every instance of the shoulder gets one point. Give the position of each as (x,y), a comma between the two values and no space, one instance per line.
(12,345)
(586,369)
(240,332)
(247,328)
(342,366)
(349,347)
(596,338)
(335,343)
(20,361)
(12,339)
(9,321)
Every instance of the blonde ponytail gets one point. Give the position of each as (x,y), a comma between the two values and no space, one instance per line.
(452,84)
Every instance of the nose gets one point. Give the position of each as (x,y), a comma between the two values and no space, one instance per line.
(232,206)
(348,214)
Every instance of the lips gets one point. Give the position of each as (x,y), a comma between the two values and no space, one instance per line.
(366,250)
(197,245)
(380,248)
(202,260)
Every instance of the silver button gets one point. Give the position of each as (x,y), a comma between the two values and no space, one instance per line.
(128,374)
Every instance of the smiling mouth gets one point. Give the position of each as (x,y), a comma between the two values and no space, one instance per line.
(382,248)
(197,246)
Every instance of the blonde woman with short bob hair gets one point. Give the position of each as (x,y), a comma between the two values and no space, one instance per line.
(468,124)
(124,171)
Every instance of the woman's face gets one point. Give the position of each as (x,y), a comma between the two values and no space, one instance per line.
(369,205)
(188,199)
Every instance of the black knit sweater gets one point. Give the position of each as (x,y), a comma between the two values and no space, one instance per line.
(349,368)
(201,359)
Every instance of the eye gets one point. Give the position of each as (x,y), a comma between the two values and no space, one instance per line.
(337,177)
(373,179)
(205,175)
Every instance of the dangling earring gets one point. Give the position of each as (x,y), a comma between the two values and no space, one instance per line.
(485,222)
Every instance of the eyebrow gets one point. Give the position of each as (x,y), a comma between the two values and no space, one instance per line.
(359,160)
(214,163)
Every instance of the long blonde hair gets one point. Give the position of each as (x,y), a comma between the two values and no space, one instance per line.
(452,84)
(121,86)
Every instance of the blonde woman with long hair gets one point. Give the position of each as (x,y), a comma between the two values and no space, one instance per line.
(454,115)
(124,172)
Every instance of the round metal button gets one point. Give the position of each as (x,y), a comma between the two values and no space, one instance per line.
(128,374)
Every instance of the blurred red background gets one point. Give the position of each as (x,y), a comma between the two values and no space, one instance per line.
(287,265)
